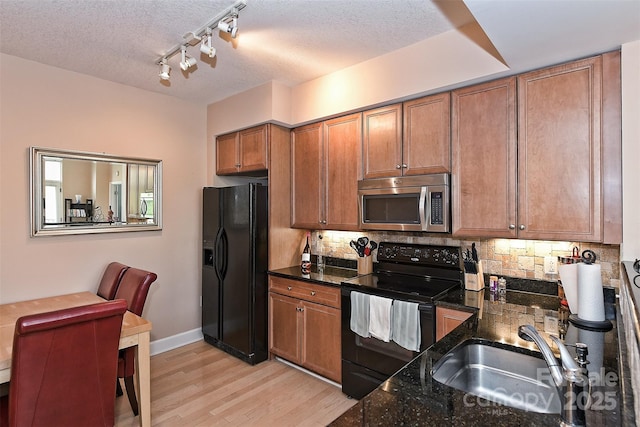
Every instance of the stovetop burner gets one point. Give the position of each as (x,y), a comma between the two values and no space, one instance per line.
(422,273)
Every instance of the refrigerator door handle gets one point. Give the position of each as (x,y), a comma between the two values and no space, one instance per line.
(219,254)
(225,254)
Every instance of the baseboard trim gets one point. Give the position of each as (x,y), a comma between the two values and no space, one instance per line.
(306,371)
(175,341)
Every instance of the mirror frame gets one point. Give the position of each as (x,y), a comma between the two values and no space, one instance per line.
(38,228)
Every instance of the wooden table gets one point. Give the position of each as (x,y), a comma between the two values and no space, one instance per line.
(135,332)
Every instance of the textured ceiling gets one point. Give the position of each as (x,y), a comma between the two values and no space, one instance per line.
(293,41)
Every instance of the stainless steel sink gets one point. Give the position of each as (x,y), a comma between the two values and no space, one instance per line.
(499,373)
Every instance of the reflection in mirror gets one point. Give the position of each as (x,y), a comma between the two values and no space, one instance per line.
(77,193)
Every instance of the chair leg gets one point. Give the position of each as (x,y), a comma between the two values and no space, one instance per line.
(131,394)
(118,387)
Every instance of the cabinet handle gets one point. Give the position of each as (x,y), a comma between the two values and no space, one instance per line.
(512,226)
(522,227)
(300,309)
(313,293)
(398,166)
(404,166)
(289,288)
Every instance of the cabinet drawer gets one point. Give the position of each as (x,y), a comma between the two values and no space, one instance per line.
(320,294)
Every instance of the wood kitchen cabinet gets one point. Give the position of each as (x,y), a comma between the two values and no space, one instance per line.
(245,152)
(304,325)
(448,319)
(326,160)
(559,152)
(483,144)
(532,168)
(412,138)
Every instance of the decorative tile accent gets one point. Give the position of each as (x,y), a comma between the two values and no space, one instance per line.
(502,257)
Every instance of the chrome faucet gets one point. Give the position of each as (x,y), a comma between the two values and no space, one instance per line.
(569,379)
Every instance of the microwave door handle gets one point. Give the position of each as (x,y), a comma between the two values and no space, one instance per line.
(422,208)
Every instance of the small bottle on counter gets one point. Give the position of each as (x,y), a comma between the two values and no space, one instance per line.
(306,257)
(320,262)
(502,286)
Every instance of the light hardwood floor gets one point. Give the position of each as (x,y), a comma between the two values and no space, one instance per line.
(199,385)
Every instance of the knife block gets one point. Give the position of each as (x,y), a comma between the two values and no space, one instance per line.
(474,281)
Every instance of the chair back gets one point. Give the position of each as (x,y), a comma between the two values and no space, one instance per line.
(110,280)
(134,288)
(63,366)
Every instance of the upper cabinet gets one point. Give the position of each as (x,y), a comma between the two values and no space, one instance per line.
(326,160)
(245,152)
(408,139)
(427,137)
(483,187)
(547,182)
(559,152)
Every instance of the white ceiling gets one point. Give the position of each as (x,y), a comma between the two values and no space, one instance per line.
(294,41)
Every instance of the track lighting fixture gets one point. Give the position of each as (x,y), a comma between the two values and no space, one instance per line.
(164,69)
(226,21)
(230,26)
(205,46)
(187,61)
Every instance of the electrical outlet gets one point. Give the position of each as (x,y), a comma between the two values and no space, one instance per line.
(550,265)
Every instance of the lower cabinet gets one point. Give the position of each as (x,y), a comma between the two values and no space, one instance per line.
(304,325)
(448,319)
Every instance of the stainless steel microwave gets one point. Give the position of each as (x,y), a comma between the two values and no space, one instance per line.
(412,203)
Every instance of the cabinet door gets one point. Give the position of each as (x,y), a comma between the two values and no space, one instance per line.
(253,148)
(342,163)
(285,330)
(382,142)
(307,190)
(227,161)
(483,189)
(447,320)
(559,152)
(427,142)
(321,351)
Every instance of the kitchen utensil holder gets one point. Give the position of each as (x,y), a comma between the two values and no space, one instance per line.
(365,265)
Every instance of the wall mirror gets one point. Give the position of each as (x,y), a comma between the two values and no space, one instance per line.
(75,192)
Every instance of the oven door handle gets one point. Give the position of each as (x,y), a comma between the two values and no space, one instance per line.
(422,208)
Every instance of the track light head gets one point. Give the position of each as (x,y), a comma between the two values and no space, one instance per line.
(187,61)
(229,27)
(165,69)
(205,46)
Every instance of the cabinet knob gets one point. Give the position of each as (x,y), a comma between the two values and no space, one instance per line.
(313,293)
(237,165)
(404,166)
(522,227)
(512,226)
(289,288)
(398,166)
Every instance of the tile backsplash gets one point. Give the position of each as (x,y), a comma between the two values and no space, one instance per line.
(502,257)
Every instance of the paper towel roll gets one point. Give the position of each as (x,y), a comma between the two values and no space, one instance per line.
(569,278)
(590,296)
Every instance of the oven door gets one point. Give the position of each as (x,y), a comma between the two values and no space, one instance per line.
(368,362)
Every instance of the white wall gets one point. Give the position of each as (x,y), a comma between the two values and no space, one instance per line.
(50,107)
(630,248)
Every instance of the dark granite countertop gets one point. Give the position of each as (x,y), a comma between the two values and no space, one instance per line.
(412,398)
(330,276)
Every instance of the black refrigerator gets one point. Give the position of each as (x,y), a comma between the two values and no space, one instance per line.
(234,270)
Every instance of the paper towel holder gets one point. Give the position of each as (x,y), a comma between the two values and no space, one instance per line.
(591,325)
(589,257)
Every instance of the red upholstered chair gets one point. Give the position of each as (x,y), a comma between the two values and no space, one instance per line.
(134,288)
(62,367)
(110,280)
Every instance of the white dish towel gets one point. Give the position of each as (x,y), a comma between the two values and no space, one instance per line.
(406,325)
(359,321)
(380,317)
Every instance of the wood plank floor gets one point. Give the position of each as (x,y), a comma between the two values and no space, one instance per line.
(199,385)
